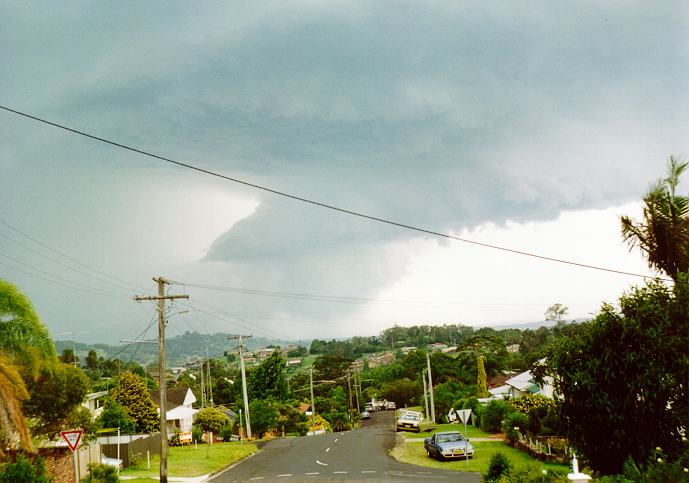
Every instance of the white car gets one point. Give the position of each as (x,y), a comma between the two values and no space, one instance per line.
(409,421)
(111,461)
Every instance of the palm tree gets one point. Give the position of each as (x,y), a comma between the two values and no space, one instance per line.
(21,330)
(14,433)
(24,343)
(663,235)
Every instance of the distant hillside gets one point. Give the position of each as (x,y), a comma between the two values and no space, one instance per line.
(534,325)
(178,348)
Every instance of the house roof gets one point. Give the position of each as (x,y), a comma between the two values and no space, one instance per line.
(176,396)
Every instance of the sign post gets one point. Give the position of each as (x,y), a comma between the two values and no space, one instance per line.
(464,416)
(73,439)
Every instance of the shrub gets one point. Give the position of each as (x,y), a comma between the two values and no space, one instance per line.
(24,470)
(196,434)
(533,474)
(100,473)
(498,466)
(514,420)
(527,402)
(493,414)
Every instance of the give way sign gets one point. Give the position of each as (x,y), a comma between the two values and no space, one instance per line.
(72,437)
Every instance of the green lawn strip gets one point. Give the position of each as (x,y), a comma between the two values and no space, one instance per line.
(429,429)
(188,461)
(415,454)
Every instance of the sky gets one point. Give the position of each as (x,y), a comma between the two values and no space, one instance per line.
(530,126)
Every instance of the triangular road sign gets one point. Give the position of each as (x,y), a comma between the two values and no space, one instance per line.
(72,437)
(464,415)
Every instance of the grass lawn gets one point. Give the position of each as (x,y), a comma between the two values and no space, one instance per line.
(187,461)
(414,453)
(428,429)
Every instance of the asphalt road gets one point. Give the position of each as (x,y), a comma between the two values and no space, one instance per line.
(359,455)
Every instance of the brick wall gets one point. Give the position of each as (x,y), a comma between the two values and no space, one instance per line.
(59,464)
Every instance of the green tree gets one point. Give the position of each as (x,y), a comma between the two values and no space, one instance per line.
(264,417)
(68,356)
(92,360)
(268,379)
(132,394)
(55,394)
(625,376)
(211,420)
(481,379)
(663,235)
(114,416)
(330,368)
(556,312)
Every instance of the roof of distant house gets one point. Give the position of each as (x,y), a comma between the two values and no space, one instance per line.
(175,396)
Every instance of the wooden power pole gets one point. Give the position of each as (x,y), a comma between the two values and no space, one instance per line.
(161,298)
(244,391)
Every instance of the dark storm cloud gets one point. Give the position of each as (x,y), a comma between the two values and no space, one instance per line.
(444,115)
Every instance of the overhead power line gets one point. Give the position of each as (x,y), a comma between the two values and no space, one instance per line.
(326,205)
(63,283)
(58,262)
(64,280)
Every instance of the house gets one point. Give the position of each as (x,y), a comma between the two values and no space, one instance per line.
(512,348)
(407,349)
(520,385)
(179,413)
(94,402)
(437,346)
(294,362)
(263,354)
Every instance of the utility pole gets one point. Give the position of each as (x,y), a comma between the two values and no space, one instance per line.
(210,384)
(425,391)
(357,388)
(313,405)
(349,390)
(430,386)
(161,298)
(244,391)
(74,343)
(203,385)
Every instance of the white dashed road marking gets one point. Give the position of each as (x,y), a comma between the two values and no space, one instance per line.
(322,464)
(313,473)
(327,449)
(339,472)
(286,474)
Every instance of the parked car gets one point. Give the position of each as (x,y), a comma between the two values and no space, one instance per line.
(369,407)
(448,445)
(391,405)
(365,415)
(409,421)
(117,463)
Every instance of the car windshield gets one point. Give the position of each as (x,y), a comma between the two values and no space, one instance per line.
(444,438)
(413,417)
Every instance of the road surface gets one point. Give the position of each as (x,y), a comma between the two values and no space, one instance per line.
(359,455)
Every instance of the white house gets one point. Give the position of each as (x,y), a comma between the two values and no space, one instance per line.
(179,414)
(94,402)
(520,385)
